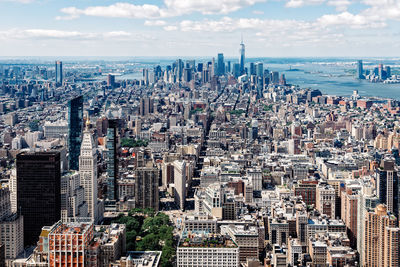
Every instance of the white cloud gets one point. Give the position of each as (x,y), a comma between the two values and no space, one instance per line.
(117,34)
(155,23)
(353,21)
(384,9)
(327,30)
(341,5)
(19,1)
(300,3)
(171,8)
(117,10)
(48,34)
(171,28)
(207,6)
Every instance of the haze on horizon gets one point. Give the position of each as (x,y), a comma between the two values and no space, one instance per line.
(271,28)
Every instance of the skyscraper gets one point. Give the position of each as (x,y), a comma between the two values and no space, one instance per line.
(388,185)
(146,187)
(59,73)
(221,64)
(38,191)
(179,69)
(75,123)
(252,68)
(236,70)
(112,163)
(11,227)
(146,106)
(360,71)
(242,59)
(381,238)
(180,183)
(111,80)
(366,203)
(88,172)
(260,69)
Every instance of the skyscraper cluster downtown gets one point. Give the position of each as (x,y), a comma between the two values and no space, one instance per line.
(216,162)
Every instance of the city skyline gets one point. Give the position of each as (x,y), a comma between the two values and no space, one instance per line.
(293,28)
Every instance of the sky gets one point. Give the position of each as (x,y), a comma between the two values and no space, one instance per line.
(270,28)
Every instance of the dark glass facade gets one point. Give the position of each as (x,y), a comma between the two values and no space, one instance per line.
(75,122)
(59,73)
(112,161)
(38,191)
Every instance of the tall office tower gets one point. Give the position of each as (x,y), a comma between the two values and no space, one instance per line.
(180,183)
(213,68)
(260,79)
(221,64)
(252,68)
(242,58)
(38,191)
(366,203)
(205,75)
(11,227)
(73,203)
(112,163)
(380,233)
(59,73)
(187,75)
(13,189)
(145,76)
(380,71)
(388,185)
(388,72)
(146,188)
(259,69)
(88,172)
(349,205)
(200,67)
(254,129)
(274,77)
(5,203)
(75,123)
(360,71)
(179,69)
(146,106)
(138,127)
(236,70)
(110,80)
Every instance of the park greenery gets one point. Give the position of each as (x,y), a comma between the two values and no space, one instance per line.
(194,111)
(267,107)
(149,231)
(34,125)
(237,112)
(128,142)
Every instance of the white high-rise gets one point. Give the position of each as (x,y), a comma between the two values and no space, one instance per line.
(88,173)
(180,183)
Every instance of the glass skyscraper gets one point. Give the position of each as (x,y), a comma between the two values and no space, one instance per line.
(221,64)
(59,73)
(75,124)
(112,163)
(360,71)
(38,191)
(242,57)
